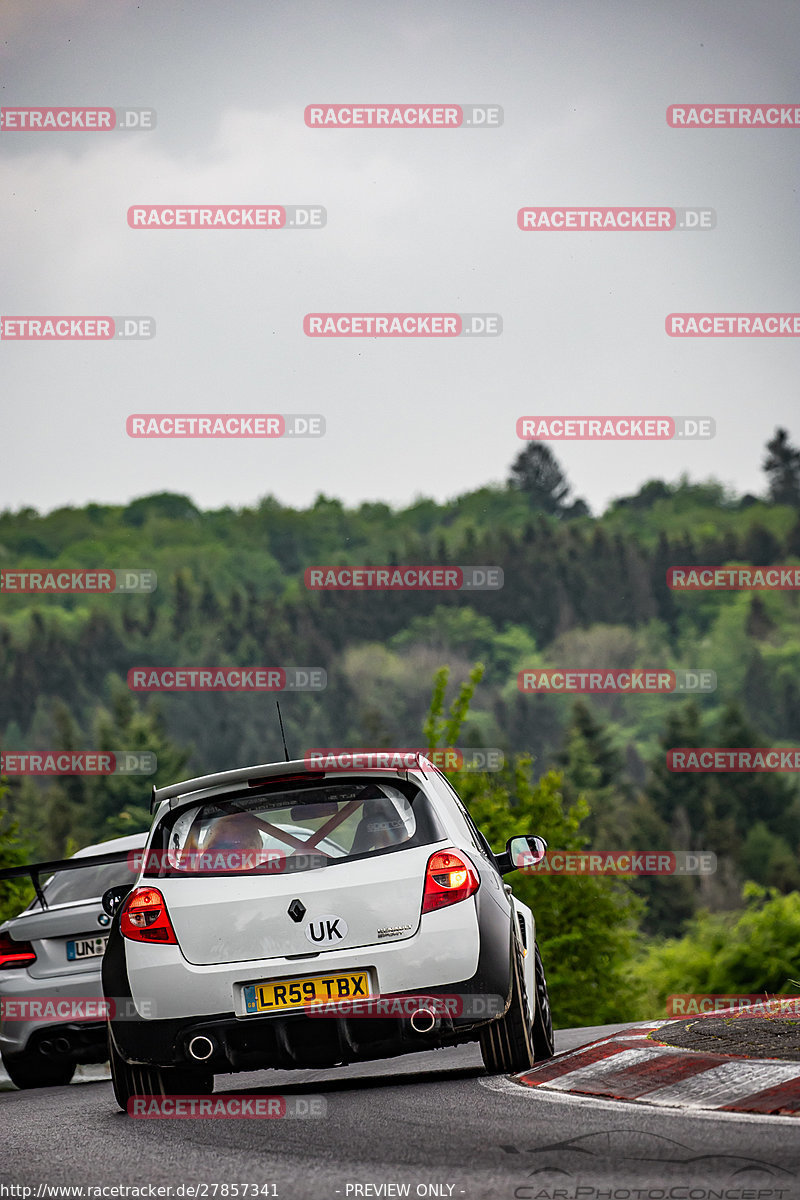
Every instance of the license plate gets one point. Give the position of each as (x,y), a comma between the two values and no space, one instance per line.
(298,993)
(86,948)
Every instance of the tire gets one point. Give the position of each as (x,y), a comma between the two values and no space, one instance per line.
(142,1080)
(35,1070)
(543,1041)
(507,1044)
(121,1076)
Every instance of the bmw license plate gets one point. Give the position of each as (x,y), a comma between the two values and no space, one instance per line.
(298,993)
(86,948)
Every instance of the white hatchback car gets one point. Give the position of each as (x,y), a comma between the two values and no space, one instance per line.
(287,916)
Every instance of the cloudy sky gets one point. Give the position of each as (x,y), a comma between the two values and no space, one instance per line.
(417,221)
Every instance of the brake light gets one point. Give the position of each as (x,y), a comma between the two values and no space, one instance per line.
(448,879)
(144,918)
(15,954)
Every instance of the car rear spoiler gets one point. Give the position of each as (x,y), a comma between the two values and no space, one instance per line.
(34,871)
(265,773)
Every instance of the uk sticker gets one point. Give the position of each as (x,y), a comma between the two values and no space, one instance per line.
(327,930)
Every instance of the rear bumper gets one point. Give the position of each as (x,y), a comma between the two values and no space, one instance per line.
(480,941)
(300,1041)
(36,1010)
(72,1042)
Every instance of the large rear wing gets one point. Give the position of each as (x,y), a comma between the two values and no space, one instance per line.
(264,773)
(34,871)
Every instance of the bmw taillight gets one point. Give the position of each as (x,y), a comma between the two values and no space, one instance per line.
(15,954)
(144,918)
(449,877)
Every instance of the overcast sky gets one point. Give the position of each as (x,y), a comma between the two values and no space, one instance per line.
(417,221)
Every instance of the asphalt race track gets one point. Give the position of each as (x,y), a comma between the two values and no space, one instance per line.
(433,1121)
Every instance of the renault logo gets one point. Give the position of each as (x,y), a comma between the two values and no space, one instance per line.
(297,910)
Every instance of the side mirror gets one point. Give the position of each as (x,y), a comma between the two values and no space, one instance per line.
(521,853)
(113,898)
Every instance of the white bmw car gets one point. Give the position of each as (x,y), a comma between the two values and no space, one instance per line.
(290,917)
(51,1011)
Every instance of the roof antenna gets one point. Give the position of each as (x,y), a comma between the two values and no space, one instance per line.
(283,735)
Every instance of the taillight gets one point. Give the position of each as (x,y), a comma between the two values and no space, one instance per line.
(448,879)
(15,954)
(144,918)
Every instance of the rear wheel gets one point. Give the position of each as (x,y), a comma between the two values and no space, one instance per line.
(543,1042)
(35,1070)
(121,1077)
(507,1044)
(140,1079)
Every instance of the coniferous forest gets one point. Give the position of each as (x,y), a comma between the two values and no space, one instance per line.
(586,771)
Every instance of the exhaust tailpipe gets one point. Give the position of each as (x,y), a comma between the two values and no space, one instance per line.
(53,1047)
(201,1047)
(424,1021)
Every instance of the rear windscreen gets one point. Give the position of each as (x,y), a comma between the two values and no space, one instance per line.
(293,828)
(86,883)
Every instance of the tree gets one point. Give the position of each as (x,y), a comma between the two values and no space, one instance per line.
(752,952)
(672,792)
(169,505)
(120,804)
(761,548)
(536,472)
(782,467)
(593,767)
(649,494)
(716,811)
(767,858)
(620,817)
(759,623)
(14,894)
